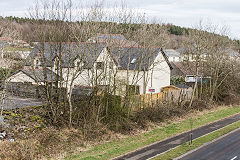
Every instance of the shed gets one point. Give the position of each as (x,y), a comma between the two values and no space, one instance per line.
(170,88)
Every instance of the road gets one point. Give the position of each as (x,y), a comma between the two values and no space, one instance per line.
(163,146)
(226,148)
(12,102)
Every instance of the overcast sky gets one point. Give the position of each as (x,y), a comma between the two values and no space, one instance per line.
(185,13)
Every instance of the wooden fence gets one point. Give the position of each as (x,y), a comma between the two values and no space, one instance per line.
(157,99)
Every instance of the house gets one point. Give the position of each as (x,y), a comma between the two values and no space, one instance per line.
(173,55)
(21,43)
(188,71)
(134,70)
(6,40)
(233,55)
(189,55)
(148,69)
(35,76)
(30,83)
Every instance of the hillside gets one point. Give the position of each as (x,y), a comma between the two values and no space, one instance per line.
(24,28)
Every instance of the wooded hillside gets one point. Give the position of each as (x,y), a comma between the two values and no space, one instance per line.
(24,28)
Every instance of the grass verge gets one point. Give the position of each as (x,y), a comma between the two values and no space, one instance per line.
(184,148)
(121,146)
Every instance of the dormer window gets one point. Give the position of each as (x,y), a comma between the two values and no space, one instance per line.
(133,61)
(78,63)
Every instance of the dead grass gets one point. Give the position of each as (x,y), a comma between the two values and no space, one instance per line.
(37,139)
(169,128)
(41,145)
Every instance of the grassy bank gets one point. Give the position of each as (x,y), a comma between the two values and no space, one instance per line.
(176,152)
(168,129)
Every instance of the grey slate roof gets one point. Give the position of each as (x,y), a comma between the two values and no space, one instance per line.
(68,52)
(90,52)
(172,53)
(143,58)
(182,50)
(38,75)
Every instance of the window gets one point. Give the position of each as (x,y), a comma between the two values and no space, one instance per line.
(133,61)
(132,89)
(111,65)
(78,64)
(100,65)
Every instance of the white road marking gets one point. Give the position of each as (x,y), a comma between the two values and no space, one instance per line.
(234,158)
(142,155)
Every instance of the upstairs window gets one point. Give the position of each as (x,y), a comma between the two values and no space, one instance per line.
(100,65)
(78,64)
(133,61)
(111,65)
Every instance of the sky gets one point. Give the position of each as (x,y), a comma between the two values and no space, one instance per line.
(186,13)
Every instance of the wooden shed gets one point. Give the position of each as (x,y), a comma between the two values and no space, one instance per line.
(170,88)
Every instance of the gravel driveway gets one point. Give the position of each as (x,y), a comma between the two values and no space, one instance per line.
(12,102)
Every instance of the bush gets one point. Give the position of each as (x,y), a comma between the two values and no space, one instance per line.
(158,113)
(116,115)
(4,72)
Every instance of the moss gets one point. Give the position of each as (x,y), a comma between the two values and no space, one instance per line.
(7,117)
(35,107)
(14,115)
(20,115)
(36,118)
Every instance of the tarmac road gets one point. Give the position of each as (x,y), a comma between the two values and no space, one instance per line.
(225,148)
(162,146)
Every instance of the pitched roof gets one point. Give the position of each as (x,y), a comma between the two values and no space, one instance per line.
(124,56)
(182,50)
(135,58)
(172,53)
(187,68)
(68,52)
(176,71)
(38,75)
(114,40)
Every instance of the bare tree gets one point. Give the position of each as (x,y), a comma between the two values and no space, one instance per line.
(73,51)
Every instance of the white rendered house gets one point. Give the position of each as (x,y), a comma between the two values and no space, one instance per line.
(144,70)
